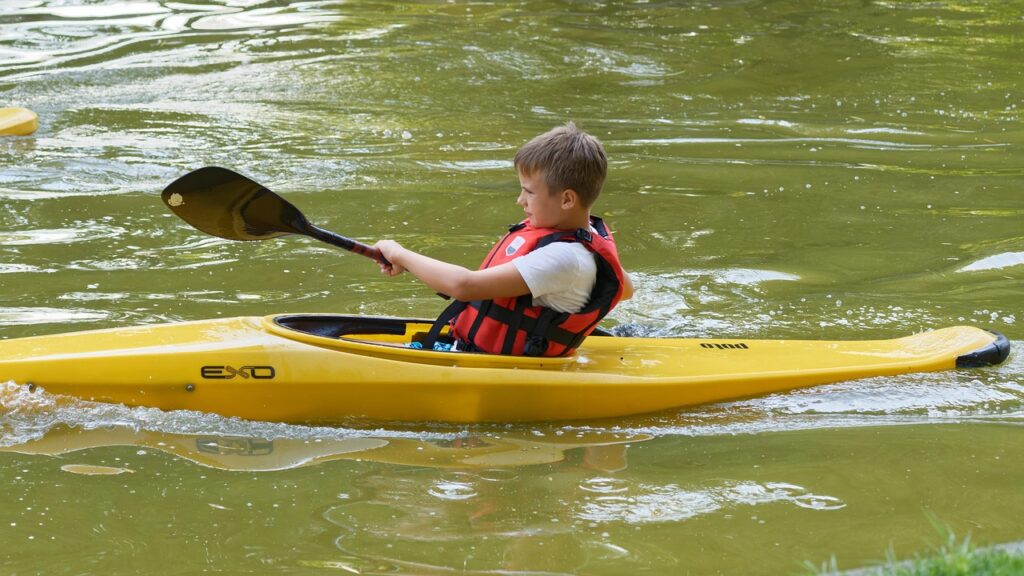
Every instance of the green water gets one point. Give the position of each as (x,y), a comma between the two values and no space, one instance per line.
(777,170)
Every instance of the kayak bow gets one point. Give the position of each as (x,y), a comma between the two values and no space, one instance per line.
(328,368)
(17,122)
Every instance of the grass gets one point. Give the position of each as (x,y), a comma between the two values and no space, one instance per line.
(951,559)
(962,561)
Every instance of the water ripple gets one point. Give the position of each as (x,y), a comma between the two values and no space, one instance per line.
(83,233)
(38,39)
(453,487)
(647,503)
(10,316)
(853,142)
(8,268)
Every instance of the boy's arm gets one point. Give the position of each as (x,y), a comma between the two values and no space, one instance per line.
(502,281)
(627,286)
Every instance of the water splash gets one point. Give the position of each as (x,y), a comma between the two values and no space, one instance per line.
(27,415)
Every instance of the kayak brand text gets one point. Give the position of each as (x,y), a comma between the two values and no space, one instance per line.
(229,372)
(722,346)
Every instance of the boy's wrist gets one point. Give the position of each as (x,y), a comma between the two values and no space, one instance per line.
(404,258)
(398,257)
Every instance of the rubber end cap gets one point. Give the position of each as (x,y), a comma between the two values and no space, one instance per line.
(989,355)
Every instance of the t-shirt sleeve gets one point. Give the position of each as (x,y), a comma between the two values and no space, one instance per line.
(550,269)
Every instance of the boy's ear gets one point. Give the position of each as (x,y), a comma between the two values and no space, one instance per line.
(569,198)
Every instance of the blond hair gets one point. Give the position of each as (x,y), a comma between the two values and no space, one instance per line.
(569,158)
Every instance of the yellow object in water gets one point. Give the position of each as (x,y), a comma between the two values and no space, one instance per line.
(510,448)
(17,122)
(328,368)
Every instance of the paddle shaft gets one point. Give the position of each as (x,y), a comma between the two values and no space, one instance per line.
(352,246)
(346,243)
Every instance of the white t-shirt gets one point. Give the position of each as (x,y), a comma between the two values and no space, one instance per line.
(560,276)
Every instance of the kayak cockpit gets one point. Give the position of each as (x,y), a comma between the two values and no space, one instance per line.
(390,338)
(365,328)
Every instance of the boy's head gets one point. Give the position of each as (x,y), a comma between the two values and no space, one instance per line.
(569,158)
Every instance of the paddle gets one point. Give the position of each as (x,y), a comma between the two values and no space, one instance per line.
(226,204)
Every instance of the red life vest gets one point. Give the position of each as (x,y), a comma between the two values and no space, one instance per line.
(514,325)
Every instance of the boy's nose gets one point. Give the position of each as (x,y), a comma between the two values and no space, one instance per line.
(521,200)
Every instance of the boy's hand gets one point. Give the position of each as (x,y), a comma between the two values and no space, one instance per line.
(391,250)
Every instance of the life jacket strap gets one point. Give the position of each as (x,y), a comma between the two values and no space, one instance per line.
(546,325)
(537,339)
(449,313)
(512,329)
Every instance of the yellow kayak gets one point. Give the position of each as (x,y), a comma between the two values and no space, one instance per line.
(328,368)
(17,122)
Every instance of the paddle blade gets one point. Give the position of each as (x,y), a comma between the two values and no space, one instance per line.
(224,203)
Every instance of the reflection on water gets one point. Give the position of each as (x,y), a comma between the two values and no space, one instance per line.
(486,450)
(996,262)
(486,502)
(88,470)
(500,498)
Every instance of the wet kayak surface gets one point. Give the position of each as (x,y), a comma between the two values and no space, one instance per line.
(777,171)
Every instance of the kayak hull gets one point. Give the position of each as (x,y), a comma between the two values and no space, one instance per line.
(332,368)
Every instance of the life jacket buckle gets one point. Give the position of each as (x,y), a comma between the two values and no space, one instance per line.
(584,235)
(535,345)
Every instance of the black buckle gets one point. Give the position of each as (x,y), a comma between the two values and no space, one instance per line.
(535,345)
(584,235)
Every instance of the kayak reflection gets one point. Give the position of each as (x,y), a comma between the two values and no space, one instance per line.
(602,451)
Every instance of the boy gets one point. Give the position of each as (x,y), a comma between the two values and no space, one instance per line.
(544,287)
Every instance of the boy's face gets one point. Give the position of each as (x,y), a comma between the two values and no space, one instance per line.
(544,209)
